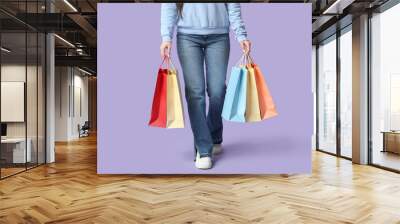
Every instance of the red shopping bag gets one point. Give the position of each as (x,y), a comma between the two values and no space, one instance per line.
(159,107)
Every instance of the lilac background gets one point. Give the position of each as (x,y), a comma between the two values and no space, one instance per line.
(128,59)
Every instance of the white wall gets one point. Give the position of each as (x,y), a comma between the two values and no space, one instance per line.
(9,73)
(71,93)
(81,103)
(17,72)
(62,82)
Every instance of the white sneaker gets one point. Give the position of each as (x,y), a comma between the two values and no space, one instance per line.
(217,149)
(203,162)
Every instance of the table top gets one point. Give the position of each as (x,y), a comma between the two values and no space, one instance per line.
(14,140)
(391,132)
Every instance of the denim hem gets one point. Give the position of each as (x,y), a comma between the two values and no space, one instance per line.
(205,155)
(202,154)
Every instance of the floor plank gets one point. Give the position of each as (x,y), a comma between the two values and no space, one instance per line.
(70,191)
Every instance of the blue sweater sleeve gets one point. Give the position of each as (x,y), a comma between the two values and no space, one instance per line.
(235,19)
(169,18)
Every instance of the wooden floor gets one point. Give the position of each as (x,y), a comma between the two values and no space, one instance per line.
(70,191)
(5,172)
(387,159)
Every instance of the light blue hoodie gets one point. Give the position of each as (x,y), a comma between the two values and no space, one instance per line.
(203,19)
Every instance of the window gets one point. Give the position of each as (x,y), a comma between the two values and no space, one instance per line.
(385,89)
(346,92)
(327,95)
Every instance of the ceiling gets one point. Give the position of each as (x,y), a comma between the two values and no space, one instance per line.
(76,22)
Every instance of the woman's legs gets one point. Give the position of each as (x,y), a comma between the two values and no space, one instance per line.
(191,56)
(193,51)
(216,59)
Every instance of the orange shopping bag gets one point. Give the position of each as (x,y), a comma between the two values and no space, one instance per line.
(266,103)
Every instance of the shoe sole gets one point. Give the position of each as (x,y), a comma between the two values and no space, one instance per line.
(203,168)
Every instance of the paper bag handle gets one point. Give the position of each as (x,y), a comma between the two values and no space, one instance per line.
(169,63)
(245,59)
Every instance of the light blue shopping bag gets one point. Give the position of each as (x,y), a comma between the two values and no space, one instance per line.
(235,99)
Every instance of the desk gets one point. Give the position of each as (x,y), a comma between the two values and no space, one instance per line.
(391,141)
(13,150)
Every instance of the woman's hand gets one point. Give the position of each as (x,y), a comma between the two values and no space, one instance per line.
(165,49)
(246,46)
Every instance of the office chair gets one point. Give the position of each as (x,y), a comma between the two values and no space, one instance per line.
(84,130)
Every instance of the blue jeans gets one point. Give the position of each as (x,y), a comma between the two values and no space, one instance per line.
(194,51)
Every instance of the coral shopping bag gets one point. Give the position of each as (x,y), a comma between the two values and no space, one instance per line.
(235,98)
(266,103)
(167,110)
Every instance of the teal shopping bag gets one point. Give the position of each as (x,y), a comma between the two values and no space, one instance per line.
(235,99)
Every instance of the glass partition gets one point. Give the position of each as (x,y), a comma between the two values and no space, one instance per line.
(22,77)
(14,153)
